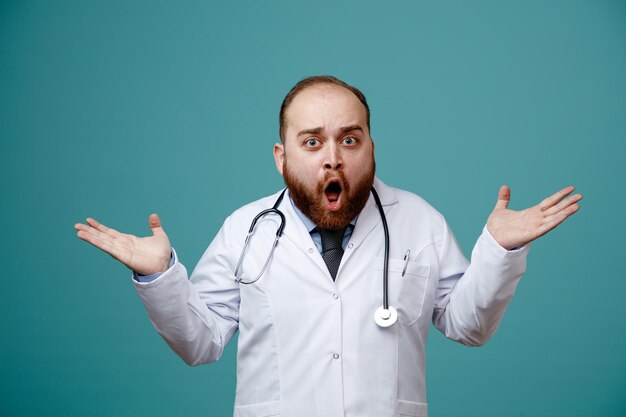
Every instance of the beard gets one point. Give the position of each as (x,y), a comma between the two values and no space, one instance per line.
(311,202)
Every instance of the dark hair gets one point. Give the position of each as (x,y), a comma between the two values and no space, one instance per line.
(310,81)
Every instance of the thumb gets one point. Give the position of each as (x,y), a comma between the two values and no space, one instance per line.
(154,222)
(504,196)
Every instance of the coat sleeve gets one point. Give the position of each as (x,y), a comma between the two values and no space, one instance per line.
(197,317)
(471,299)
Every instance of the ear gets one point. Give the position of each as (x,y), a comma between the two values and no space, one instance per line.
(279,156)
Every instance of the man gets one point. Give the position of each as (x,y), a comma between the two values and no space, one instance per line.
(308,341)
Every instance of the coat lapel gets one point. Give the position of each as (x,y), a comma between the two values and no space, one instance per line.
(299,236)
(368,219)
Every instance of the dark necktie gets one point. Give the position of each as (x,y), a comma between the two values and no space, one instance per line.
(332,251)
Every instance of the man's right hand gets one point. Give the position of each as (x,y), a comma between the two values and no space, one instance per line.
(144,255)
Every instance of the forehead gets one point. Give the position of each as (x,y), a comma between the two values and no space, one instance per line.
(325,106)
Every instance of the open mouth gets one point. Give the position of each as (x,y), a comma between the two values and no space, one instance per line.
(332,191)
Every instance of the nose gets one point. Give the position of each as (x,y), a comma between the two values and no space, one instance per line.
(333,157)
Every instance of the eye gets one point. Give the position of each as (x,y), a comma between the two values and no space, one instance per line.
(349,140)
(312,142)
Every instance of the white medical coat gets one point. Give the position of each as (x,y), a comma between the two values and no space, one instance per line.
(308,345)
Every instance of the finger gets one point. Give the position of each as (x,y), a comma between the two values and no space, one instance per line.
(554,220)
(102,228)
(88,230)
(555,198)
(85,228)
(102,244)
(154,222)
(79,226)
(504,196)
(563,204)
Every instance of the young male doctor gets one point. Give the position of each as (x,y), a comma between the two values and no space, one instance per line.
(309,344)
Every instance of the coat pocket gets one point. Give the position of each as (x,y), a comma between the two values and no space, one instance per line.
(408,408)
(268,409)
(406,293)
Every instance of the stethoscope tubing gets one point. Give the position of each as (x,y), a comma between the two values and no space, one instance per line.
(386,262)
(385,316)
(279,233)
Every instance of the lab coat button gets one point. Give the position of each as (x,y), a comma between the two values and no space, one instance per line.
(350,245)
(335,296)
(335,355)
(310,250)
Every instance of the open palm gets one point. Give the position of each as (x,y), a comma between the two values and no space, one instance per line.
(513,228)
(144,255)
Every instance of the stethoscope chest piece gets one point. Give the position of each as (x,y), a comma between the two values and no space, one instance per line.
(386,317)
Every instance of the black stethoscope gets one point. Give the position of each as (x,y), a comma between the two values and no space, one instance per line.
(384,316)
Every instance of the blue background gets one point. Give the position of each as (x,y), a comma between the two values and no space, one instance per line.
(119,109)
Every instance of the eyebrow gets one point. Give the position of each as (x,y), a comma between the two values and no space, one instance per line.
(310,131)
(351,128)
(317,130)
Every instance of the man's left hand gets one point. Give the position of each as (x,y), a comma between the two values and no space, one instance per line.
(512,229)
